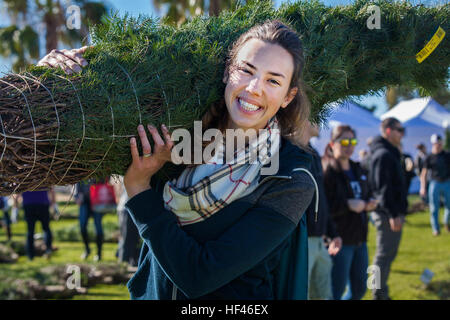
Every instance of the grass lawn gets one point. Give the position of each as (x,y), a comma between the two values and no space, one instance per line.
(67,253)
(418,250)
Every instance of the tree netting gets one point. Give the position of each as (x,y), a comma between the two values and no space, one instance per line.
(57,129)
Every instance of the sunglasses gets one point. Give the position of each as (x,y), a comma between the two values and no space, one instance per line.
(400,129)
(347,142)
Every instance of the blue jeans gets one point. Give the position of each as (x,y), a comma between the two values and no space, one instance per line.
(85,213)
(350,268)
(6,217)
(435,191)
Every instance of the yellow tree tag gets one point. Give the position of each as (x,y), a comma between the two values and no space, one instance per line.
(431,45)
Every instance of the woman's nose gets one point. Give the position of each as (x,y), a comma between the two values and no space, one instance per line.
(254,86)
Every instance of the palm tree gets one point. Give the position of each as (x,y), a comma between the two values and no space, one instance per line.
(20,40)
(442,96)
(395,93)
(179,10)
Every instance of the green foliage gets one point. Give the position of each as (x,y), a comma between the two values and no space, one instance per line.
(22,44)
(418,251)
(343,57)
(19,43)
(144,71)
(19,280)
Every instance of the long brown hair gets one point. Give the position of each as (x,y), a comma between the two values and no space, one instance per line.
(292,117)
(328,158)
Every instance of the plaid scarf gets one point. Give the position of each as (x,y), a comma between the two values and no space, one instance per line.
(201,191)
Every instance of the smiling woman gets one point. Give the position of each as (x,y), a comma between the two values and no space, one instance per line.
(254,93)
(258,88)
(241,236)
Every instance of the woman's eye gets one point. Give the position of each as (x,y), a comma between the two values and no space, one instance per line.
(245,70)
(274,81)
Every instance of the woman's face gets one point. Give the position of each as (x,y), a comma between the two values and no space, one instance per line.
(258,84)
(341,152)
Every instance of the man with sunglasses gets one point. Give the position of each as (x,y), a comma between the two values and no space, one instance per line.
(387,182)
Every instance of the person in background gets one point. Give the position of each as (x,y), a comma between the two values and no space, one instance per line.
(36,206)
(420,158)
(83,200)
(418,166)
(4,206)
(387,182)
(364,155)
(438,163)
(15,208)
(348,195)
(321,229)
(128,246)
(408,168)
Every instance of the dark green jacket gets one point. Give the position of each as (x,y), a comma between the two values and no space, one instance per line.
(254,248)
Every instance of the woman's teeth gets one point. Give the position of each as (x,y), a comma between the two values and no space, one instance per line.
(248,106)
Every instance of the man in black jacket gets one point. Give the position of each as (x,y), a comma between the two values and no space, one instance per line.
(321,229)
(387,182)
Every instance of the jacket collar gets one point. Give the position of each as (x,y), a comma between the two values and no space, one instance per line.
(381,143)
(290,158)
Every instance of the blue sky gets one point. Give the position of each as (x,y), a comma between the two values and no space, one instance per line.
(136,7)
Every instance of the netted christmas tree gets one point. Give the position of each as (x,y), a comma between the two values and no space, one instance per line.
(57,129)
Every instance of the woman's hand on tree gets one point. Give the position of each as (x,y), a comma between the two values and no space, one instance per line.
(71,61)
(142,168)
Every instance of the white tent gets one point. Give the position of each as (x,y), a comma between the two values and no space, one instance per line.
(421,117)
(360,119)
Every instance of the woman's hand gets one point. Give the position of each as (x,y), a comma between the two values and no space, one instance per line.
(371,205)
(356,205)
(69,60)
(142,168)
(409,165)
(396,224)
(335,246)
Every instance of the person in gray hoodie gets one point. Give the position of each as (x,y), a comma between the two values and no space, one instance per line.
(387,182)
